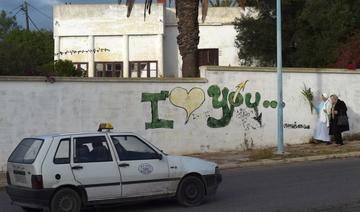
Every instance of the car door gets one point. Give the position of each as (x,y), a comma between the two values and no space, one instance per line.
(94,167)
(56,168)
(143,170)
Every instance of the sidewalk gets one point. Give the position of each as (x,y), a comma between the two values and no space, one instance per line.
(294,153)
(267,156)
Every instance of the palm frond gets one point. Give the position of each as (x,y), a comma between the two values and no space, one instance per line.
(233,3)
(242,3)
(147,7)
(204,9)
(148,3)
(309,96)
(130,5)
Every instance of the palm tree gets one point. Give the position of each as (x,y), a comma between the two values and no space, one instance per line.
(223,3)
(187,12)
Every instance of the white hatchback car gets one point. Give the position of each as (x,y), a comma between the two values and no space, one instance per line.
(67,172)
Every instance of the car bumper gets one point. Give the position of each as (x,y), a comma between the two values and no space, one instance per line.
(27,197)
(212,182)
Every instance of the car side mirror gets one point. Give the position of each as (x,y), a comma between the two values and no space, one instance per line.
(159,156)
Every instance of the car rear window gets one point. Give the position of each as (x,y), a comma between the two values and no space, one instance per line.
(27,151)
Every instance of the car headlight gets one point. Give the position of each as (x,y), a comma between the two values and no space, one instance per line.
(217,170)
(218,175)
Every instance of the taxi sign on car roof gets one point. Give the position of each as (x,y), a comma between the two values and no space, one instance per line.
(105,126)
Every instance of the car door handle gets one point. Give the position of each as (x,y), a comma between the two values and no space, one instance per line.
(124,165)
(77,167)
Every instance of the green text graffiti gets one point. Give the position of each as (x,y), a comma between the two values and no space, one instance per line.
(155,121)
(191,100)
(228,103)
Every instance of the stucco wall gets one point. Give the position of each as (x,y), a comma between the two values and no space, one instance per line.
(216,32)
(109,42)
(79,29)
(103,33)
(210,38)
(106,19)
(31,106)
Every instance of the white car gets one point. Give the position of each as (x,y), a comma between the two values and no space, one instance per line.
(67,172)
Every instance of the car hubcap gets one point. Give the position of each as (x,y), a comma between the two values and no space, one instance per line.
(66,204)
(191,191)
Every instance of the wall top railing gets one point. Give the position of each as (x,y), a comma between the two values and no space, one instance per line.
(101,79)
(202,78)
(285,70)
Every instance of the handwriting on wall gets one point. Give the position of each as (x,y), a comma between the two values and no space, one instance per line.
(297,126)
(191,100)
(71,52)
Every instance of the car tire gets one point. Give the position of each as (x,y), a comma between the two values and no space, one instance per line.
(191,191)
(65,200)
(26,209)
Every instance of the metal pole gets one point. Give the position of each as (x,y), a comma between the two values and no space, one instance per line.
(26,10)
(280,128)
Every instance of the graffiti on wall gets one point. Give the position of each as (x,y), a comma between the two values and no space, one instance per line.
(71,52)
(229,101)
(187,100)
(297,126)
(154,98)
(221,99)
(245,116)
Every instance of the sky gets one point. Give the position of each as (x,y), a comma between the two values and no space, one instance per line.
(40,11)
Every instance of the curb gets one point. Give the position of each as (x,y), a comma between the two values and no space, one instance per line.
(270,162)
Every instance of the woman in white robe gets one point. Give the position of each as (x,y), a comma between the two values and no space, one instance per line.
(322,127)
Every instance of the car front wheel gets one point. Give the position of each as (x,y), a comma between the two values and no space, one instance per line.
(191,191)
(65,200)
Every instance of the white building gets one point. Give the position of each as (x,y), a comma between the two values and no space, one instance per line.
(100,39)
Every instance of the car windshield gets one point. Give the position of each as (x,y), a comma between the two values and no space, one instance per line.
(27,151)
(152,145)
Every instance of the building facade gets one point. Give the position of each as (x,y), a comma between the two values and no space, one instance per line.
(102,41)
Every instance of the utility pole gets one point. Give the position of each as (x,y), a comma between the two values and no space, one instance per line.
(26,10)
(280,128)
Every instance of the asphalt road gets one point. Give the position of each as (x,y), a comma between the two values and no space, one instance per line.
(320,186)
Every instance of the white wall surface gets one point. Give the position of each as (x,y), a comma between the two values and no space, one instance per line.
(31,107)
(172,58)
(74,43)
(107,23)
(220,37)
(106,19)
(143,48)
(217,32)
(89,28)
(114,43)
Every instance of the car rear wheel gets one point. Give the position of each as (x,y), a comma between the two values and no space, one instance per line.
(65,200)
(191,191)
(26,209)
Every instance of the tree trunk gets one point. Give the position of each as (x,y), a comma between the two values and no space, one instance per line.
(188,38)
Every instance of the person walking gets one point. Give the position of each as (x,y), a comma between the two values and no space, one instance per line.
(338,119)
(322,126)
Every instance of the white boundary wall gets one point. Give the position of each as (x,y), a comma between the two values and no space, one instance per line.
(31,106)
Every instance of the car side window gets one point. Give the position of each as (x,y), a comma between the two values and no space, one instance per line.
(91,149)
(62,155)
(130,147)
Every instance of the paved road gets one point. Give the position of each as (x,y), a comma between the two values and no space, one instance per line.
(311,186)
